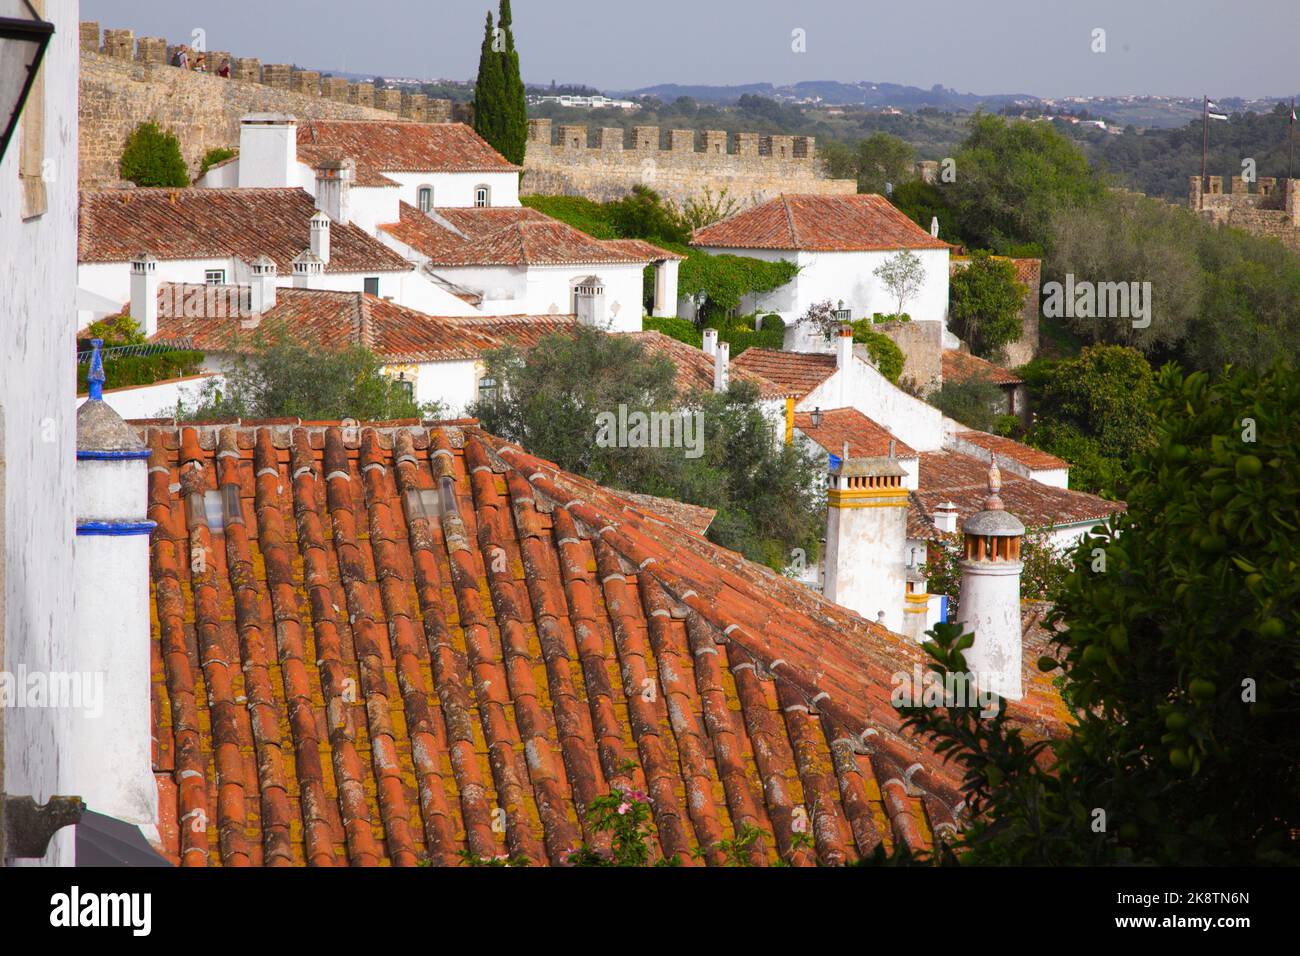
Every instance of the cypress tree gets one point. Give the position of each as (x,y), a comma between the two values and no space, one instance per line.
(489,94)
(516,107)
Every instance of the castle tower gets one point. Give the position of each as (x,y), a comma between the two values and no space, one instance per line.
(989,603)
(113,749)
(866,531)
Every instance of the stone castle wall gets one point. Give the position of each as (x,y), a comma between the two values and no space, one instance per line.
(125,81)
(1272,210)
(751,168)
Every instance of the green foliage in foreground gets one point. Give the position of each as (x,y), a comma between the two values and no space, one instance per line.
(1178,656)
(281,377)
(153,158)
(142,369)
(549,403)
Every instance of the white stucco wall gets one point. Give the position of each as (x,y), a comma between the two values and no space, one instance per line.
(864,388)
(864,569)
(454,384)
(457,189)
(849,276)
(157,400)
(989,607)
(38,267)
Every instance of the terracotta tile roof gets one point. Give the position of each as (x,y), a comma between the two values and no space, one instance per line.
(866,439)
(796,373)
(819,223)
(114,225)
(640,249)
(961,366)
(1033,458)
(403,628)
(394,332)
(695,366)
(694,518)
(379,146)
(950,476)
(509,235)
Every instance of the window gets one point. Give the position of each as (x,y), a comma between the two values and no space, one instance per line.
(487,388)
(214,276)
(371,286)
(482,196)
(424,198)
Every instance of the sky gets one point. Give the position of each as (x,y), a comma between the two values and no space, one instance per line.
(1041,47)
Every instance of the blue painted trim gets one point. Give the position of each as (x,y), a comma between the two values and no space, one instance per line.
(124,455)
(116,529)
(943,609)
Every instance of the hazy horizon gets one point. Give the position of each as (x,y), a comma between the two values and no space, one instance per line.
(1036,47)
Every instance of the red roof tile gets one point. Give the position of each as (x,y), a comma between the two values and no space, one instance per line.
(961,366)
(394,332)
(795,373)
(819,223)
(403,630)
(509,235)
(1033,458)
(865,438)
(695,366)
(950,476)
(114,225)
(379,146)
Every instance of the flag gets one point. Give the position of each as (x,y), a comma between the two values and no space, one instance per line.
(1212,111)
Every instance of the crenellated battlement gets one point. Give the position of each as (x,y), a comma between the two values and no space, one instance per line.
(1272,208)
(156,51)
(652,139)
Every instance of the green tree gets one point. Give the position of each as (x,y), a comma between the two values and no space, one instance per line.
(153,158)
(1012,177)
(515,102)
(984,303)
(549,401)
(281,376)
(491,96)
(902,274)
(1176,651)
(881,159)
(974,402)
(924,202)
(643,214)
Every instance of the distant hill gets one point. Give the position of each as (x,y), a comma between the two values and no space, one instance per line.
(835,93)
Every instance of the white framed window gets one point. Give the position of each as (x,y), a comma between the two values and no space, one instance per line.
(214,276)
(487,388)
(482,196)
(424,198)
(370,285)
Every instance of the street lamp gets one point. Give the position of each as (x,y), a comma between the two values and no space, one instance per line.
(817,417)
(22,45)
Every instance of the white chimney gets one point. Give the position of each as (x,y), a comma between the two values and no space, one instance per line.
(110,753)
(711,341)
(262,285)
(989,599)
(307,270)
(945,517)
(721,367)
(844,347)
(334,180)
(320,236)
(268,150)
(589,302)
(144,292)
(866,531)
(934,226)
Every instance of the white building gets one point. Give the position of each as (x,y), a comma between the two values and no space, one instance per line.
(213,236)
(38,264)
(838,243)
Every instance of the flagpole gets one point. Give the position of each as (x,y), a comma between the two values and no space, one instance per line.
(1205,140)
(1290,148)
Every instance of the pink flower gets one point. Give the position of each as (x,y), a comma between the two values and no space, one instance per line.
(624,807)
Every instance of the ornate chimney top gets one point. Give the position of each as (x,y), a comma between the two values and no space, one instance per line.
(993,502)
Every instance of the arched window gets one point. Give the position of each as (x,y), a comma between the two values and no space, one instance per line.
(424,198)
(482,196)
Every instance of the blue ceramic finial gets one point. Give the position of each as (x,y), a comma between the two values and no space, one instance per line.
(96,377)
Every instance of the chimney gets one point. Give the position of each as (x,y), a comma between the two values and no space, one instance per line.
(334,178)
(112,751)
(866,531)
(320,236)
(144,292)
(721,367)
(945,517)
(711,341)
(268,150)
(262,285)
(844,347)
(934,226)
(989,601)
(307,270)
(589,302)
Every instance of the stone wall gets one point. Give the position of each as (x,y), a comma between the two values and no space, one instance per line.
(125,81)
(1271,210)
(750,167)
(922,346)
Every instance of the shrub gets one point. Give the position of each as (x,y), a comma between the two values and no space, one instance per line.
(883,350)
(973,402)
(153,158)
(142,369)
(218,154)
